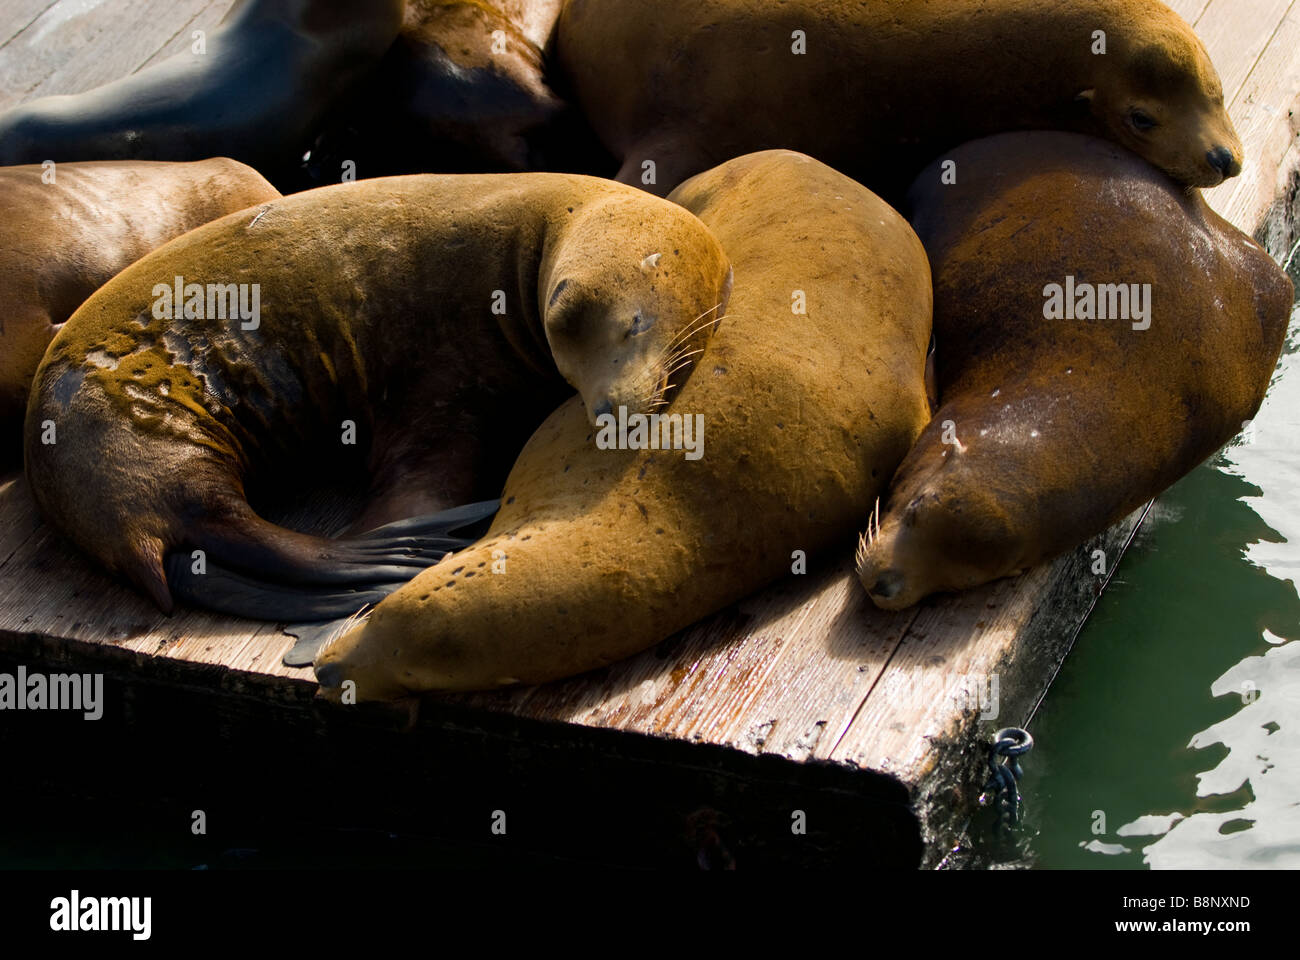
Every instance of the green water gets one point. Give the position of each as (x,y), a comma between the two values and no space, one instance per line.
(1171,737)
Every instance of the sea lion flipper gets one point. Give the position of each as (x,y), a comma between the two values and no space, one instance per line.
(255,569)
(311,638)
(464,523)
(147,572)
(228,591)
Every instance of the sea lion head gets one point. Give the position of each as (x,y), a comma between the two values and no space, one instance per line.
(941,529)
(1162,98)
(630,300)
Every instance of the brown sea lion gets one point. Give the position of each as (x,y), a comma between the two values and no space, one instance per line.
(66,229)
(810,392)
(433,320)
(877,88)
(1100,331)
(463,89)
(256,91)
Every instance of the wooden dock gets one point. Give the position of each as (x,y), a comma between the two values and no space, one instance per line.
(801,698)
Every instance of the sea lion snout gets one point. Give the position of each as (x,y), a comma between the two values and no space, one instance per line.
(1223,160)
(887,586)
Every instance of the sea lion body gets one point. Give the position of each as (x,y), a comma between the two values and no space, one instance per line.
(257,92)
(599,553)
(1056,420)
(70,228)
(437,316)
(462,90)
(884,86)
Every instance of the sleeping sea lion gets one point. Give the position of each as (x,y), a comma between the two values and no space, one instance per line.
(429,321)
(810,393)
(877,88)
(1100,331)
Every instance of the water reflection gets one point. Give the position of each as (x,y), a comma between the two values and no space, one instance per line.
(1172,736)
(1262,736)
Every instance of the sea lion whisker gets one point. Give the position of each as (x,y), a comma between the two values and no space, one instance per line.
(683,352)
(677,360)
(694,327)
(673,355)
(699,324)
(681,365)
(342,627)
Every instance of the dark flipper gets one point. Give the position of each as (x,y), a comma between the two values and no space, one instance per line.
(254,569)
(311,637)
(226,591)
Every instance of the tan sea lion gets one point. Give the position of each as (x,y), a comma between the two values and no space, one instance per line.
(599,553)
(877,88)
(433,320)
(256,91)
(1100,331)
(65,230)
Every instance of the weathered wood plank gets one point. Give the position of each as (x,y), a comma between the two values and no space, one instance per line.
(979,635)
(1189,10)
(17,15)
(824,673)
(1266,112)
(75,45)
(18,517)
(969,665)
(1236,33)
(741,678)
(205,19)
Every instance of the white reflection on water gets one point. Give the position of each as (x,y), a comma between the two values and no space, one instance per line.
(1263,736)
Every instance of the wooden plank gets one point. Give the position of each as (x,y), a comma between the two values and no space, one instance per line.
(206,19)
(982,635)
(968,666)
(1189,10)
(1265,111)
(18,517)
(1236,33)
(740,678)
(79,44)
(17,15)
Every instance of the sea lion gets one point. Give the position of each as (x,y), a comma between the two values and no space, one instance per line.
(877,88)
(433,319)
(811,392)
(66,230)
(1100,331)
(256,92)
(462,90)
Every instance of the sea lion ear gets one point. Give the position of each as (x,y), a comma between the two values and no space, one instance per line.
(649,263)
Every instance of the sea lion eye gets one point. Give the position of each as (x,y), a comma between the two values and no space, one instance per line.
(640,324)
(1141,120)
(555,294)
